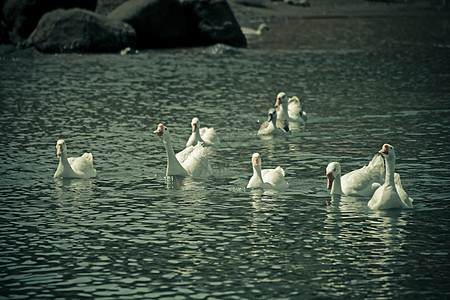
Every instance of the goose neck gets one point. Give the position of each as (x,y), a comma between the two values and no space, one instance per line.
(257,173)
(390,170)
(336,188)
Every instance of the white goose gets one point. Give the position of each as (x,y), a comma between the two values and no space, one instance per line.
(205,135)
(273,125)
(333,172)
(387,195)
(290,109)
(360,182)
(250,32)
(267,178)
(191,161)
(73,167)
(295,110)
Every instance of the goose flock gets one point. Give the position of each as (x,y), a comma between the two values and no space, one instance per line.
(377,181)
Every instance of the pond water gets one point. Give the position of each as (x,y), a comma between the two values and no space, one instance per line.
(132,233)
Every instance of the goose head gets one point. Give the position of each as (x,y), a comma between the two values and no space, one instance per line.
(333,171)
(256,161)
(163,132)
(61,148)
(261,27)
(281,99)
(195,123)
(388,152)
(272,115)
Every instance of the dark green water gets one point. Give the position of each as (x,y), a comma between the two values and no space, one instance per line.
(130,233)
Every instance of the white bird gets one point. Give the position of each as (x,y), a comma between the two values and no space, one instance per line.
(387,196)
(267,178)
(192,161)
(73,167)
(250,32)
(273,125)
(333,172)
(295,110)
(205,135)
(290,109)
(360,182)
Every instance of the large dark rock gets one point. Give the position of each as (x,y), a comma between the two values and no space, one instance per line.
(211,22)
(4,38)
(78,30)
(158,23)
(22,16)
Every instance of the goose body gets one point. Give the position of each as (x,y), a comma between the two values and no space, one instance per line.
(401,192)
(205,135)
(387,195)
(267,178)
(295,110)
(360,182)
(73,167)
(192,161)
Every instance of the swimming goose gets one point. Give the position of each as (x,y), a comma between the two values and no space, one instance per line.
(205,135)
(387,196)
(295,110)
(267,178)
(73,167)
(249,32)
(360,182)
(191,161)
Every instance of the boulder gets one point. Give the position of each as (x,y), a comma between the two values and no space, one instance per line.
(79,30)
(158,23)
(22,16)
(211,22)
(4,38)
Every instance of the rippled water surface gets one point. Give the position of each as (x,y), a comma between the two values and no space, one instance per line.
(132,233)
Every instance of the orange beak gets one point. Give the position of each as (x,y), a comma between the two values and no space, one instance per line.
(255,161)
(59,150)
(330,180)
(385,149)
(194,127)
(160,130)
(278,101)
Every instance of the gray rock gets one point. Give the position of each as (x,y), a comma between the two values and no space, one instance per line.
(22,16)
(78,30)
(211,22)
(158,23)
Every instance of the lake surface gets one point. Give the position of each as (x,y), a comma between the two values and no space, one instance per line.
(132,233)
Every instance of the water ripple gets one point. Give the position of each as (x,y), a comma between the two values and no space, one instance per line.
(133,233)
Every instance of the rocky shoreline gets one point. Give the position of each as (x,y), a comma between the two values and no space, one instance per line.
(74,25)
(111,25)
